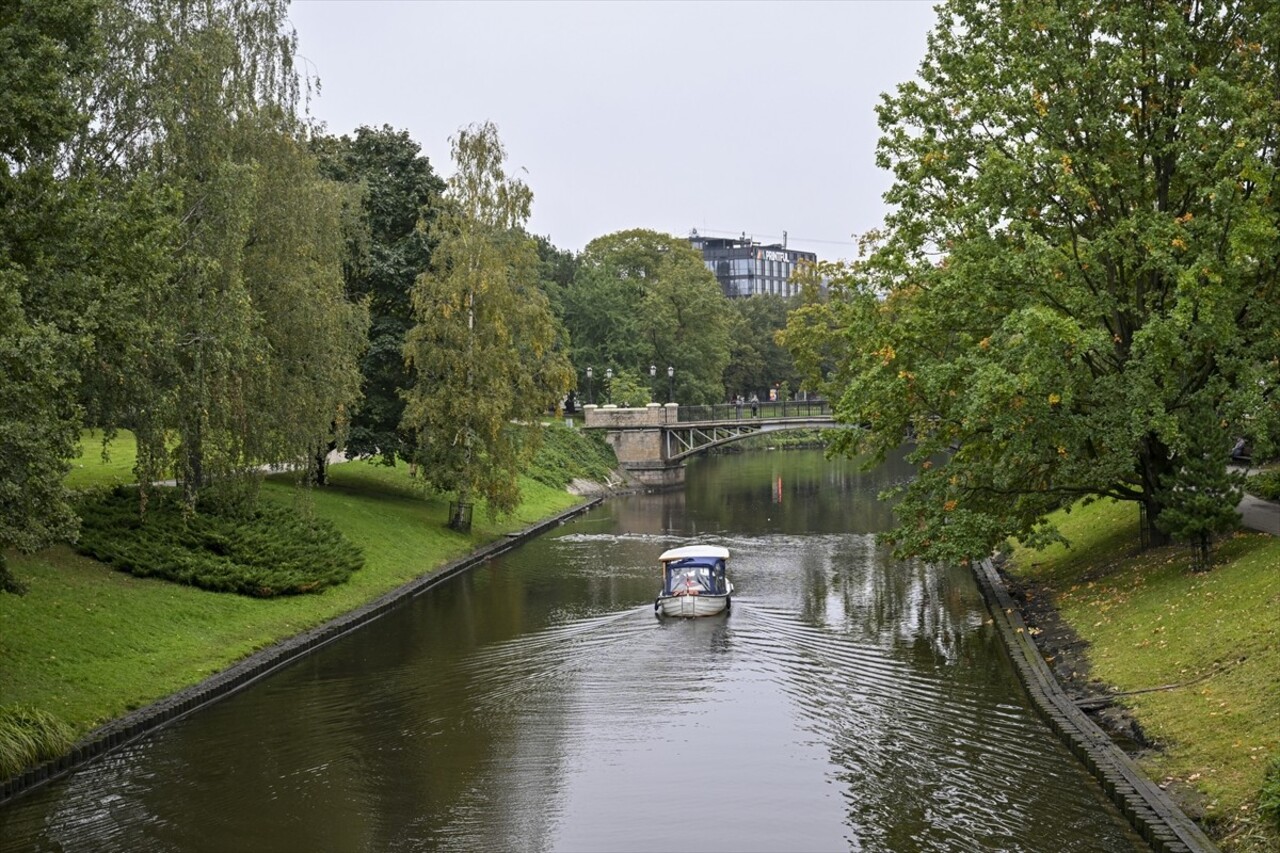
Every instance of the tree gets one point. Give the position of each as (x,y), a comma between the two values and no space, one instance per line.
(44,50)
(757,361)
(249,346)
(1200,495)
(1082,258)
(386,252)
(482,350)
(312,335)
(640,298)
(628,389)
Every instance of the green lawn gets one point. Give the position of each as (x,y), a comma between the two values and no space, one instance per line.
(90,644)
(92,469)
(1151,622)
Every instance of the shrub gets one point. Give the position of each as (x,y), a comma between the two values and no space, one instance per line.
(568,453)
(1265,485)
(29,736)
(261,550)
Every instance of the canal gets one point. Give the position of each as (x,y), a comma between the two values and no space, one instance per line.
(850,702)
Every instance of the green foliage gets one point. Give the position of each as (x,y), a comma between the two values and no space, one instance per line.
(263,551)
(757,361)
(245,346)
(1201,495)
(29,736)
(1082,245)
(641,297)
(386,251)
(628,390)
(483,347)
(567,454)
(1265,485)
(46,50)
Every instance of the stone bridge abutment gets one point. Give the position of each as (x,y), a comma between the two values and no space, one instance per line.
(638,440)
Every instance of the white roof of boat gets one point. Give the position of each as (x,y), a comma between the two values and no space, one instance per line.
(713,551)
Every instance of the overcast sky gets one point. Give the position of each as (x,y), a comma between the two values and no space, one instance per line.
(727,117)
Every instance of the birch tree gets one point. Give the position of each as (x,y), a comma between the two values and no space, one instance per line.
(482,348)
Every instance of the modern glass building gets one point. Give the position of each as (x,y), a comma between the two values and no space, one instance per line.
(746,268)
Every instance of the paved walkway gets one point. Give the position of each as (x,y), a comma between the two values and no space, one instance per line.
(1255,513)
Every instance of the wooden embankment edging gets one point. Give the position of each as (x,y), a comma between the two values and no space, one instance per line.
(1148,808)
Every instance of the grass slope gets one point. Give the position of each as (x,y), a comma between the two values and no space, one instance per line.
(1150,622)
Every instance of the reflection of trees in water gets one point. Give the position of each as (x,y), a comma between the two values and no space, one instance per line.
(924,722)
(792,490)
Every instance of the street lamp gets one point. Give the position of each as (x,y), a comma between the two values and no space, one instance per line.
(590,399)
(671,384)
(608,377)
(653,372)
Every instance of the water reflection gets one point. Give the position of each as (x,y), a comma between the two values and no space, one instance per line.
(850,702)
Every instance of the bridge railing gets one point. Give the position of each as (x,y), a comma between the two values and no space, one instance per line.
(732,411)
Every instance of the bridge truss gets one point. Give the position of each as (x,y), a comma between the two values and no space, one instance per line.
(687,439)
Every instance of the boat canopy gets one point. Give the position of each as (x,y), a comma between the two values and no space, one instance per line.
(698,575)
(712,552)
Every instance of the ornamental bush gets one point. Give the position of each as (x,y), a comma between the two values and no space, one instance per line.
(1265,485)
(262,550)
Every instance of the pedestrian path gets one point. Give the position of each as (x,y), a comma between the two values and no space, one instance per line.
(1256,513)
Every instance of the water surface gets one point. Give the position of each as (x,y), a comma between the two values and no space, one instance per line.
(849,702)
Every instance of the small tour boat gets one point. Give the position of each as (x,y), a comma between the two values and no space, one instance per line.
(694,582)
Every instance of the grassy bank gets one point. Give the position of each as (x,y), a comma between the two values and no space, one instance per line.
(1198,654)
(88,644)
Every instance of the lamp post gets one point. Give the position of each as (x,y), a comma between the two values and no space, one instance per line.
(671,384)
(653,372)
(608,377)
(590,399)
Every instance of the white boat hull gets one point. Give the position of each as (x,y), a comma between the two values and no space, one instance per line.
(692,605)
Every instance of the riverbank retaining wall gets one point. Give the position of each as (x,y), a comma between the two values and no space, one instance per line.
(135,725)
(1148,808)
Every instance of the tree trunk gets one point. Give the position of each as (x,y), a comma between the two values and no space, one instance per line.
(192,463)
(460,518)
(1154,464)
(319,473)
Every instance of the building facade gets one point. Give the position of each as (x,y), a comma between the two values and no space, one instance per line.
(747,268)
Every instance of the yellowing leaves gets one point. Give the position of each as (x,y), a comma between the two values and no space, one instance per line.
(1039,103)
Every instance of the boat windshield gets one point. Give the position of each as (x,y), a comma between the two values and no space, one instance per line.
(694,577)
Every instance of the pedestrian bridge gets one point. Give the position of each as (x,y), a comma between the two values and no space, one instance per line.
(653,443)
